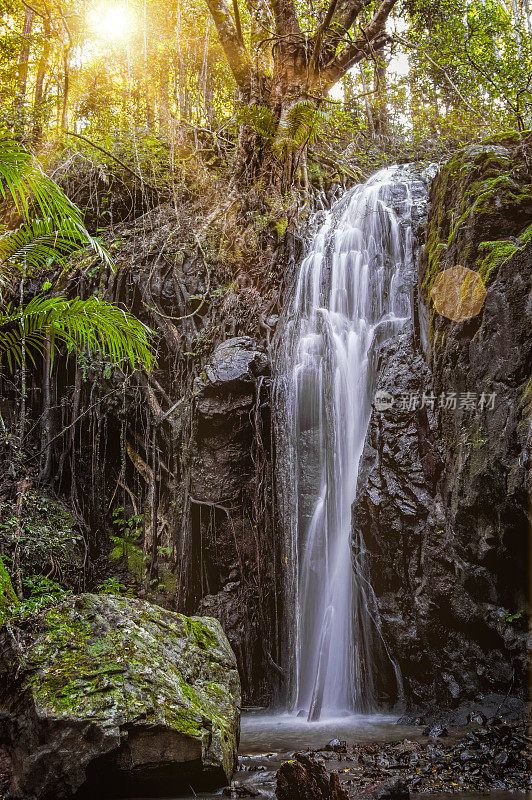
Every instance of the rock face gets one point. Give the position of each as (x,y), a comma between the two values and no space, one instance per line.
(231,569)
(106,694)
(442,496)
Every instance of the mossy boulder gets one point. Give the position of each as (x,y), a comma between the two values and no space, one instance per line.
(106,694)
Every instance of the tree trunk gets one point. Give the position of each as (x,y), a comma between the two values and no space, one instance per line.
(381,109)
(305,67)
(46,429)
(23,65)
(38,111)
(66,88)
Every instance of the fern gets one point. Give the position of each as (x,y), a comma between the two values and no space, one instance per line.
(89,324)
(301,125)
(259,118)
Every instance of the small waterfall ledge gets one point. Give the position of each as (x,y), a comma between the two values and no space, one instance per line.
(353,291)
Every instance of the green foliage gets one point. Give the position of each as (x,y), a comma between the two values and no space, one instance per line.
(47,538)
(114,586)
(301,124)
(8,595)
(40,593)
(52,226)
(90,324)
(485,50)
(127,543)
(260,119)
(513,617)
(40,243)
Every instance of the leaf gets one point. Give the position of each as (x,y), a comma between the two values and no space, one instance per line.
(91,324)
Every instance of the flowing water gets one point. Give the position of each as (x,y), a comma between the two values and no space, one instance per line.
(351,294)
(353,291)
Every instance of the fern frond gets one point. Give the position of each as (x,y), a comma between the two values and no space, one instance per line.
(301,124)
(260,118)
(89,324)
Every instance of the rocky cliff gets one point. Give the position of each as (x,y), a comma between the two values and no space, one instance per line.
(442,495)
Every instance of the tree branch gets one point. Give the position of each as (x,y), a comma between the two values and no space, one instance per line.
(238,24)
(320,33)
(374,38)
(438,66)
(115,158)
(233,47)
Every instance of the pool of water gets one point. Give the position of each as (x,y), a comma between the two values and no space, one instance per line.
(268,740)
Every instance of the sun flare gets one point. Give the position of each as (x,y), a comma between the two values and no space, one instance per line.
(111,22)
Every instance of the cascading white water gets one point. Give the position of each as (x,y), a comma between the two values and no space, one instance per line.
(350,296)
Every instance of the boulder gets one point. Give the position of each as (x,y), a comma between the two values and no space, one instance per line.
(236,360)
(111,695)
(305,778)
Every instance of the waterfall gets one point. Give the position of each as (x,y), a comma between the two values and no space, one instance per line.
(352,292)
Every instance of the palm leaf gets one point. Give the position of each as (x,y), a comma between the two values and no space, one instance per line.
(23,181)
(35,245)
(89,324)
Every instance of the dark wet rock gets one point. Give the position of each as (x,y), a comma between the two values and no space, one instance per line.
(5,771)
(234,362)
(240,790)
(442,498)
(393,789)
(231,569)
(435,732)
(104,694)
(337,746)
(476,717)
(493,757)
(305,778)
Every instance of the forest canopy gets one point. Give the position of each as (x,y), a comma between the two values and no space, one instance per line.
(131,75)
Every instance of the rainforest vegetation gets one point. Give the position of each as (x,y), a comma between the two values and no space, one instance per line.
(161,168)
(236,118)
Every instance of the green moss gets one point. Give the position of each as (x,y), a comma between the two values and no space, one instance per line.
(493,254)
(497,253)
(201,633)
(506,136)
(111,659)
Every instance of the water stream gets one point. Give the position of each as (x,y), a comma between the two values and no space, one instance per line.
(351,294)
(353,291)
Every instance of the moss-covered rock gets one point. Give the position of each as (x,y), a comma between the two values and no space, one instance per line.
(113,692)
